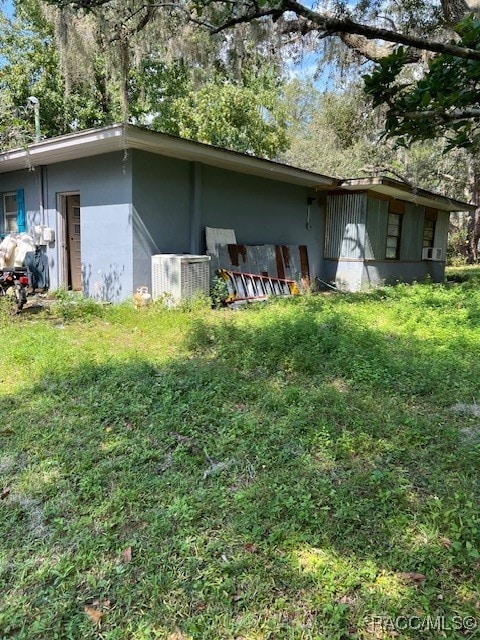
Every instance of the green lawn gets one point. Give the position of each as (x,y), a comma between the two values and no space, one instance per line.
(290,471)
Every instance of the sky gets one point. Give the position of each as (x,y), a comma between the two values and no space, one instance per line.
(8,7)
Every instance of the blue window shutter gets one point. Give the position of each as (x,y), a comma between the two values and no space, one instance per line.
(21,221)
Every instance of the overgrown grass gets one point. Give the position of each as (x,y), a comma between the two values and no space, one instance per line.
(283,472)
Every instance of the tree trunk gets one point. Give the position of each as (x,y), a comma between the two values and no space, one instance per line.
(473,225)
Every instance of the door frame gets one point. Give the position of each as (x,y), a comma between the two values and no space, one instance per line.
(63,247)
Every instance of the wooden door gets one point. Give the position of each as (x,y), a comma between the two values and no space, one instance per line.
(73,242)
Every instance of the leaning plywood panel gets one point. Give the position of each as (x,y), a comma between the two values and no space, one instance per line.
(215,237)
(266,260)
(296,265)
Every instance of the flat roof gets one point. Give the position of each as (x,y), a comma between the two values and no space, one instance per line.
(121,137)
(403,191)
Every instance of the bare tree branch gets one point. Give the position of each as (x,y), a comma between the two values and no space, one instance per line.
(354,34)
(345,25)
(367,48)
(254,13)
(336,26)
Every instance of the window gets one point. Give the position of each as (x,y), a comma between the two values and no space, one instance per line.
(428,233)
(392,251)
(76,219)
(10,211)
(429,227)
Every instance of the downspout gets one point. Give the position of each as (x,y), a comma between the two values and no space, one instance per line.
(42,178)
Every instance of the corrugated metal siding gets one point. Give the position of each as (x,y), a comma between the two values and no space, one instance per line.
(345,229)
(376,232)
(441,230)
(412,232)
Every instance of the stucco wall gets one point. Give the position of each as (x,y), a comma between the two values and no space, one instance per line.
(104,184)
(174,200)
(346,274)
(387,272)
(136,204)
(356,275)
(161,210)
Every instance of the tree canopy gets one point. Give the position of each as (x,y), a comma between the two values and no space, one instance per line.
(126,61)
(445,99)
(369,29)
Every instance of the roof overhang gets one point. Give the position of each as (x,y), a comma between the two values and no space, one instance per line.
(402,191)
(121,137)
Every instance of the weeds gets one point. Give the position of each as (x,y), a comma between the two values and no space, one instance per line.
(288,471)
(70,305)
(219,293)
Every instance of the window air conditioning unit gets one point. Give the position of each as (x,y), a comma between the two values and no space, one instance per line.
(179,277)
(433,253)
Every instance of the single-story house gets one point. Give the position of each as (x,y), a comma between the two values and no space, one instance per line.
(108,199)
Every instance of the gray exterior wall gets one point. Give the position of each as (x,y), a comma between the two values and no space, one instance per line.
(262,211)
(363,274)
(161,210)
(137,204)
(392,272)
(346,274)
(104,184)
(174,200)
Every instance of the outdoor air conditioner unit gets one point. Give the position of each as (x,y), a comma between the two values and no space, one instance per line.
(179,277)
(432,253)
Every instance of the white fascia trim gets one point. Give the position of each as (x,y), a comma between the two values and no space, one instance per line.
(68,147)
(123,137)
